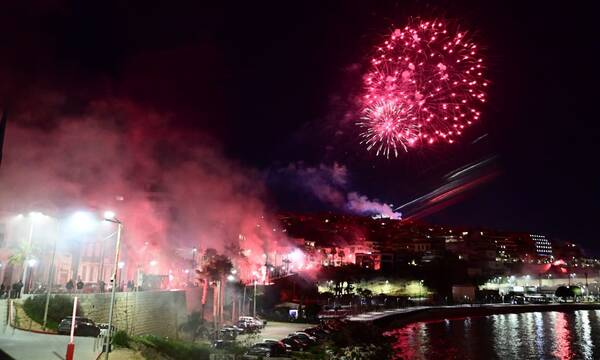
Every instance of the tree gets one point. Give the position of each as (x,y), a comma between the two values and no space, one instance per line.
(20,253)
(216,266)
(564,292)
(195,325)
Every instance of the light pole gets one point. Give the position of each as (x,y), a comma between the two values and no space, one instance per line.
(243,309)
(33,216)
(110,216)
(50,277)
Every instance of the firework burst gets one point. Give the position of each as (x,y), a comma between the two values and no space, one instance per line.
(424,84)
(388,126)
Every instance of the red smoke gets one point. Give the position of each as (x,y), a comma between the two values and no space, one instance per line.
(172,190)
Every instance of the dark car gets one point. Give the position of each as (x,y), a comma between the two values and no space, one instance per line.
(83,327)
(316,332)
(223,344)
(294,344)
(311,339)
(264,349)
(305,342)
(277,343)
(229,333)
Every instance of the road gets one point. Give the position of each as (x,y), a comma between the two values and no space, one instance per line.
(376,315)
(25,345)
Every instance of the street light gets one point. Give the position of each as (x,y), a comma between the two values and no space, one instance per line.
(111,217)
(51,277)
(34,216)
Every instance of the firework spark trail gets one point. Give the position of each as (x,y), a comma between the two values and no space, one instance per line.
(425,84)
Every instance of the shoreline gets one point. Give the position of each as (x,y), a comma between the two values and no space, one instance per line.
(402,317)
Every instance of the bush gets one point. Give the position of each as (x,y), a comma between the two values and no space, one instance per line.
(121,339)
(176,349)
(60,307)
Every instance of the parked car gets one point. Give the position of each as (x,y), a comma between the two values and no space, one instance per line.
(309,337)
(294,344)
(83,327)
(248,327)
(276,342)
(264,349)
(258,322)
(229,333)
(316,332)
(223,344)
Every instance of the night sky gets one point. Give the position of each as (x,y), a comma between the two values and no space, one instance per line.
(273,83)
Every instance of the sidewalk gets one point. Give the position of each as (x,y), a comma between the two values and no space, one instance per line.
(24,345)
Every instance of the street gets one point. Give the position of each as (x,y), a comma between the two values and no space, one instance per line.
(25,345)
(274,330)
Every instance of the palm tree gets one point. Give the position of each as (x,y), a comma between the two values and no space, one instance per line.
(20,253)
(215,268)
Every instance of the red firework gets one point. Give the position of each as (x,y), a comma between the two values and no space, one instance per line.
(424,84)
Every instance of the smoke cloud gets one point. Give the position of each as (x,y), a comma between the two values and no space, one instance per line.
(329,184)
(171,189)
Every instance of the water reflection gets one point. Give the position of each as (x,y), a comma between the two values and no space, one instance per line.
(548,335)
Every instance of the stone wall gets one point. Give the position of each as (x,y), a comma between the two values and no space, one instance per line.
(146,312)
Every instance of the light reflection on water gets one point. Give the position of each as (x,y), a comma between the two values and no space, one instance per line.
(539,335)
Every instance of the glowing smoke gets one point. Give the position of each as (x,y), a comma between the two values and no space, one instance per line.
(171,189)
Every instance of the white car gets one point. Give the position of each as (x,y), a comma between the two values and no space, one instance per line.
(249,319)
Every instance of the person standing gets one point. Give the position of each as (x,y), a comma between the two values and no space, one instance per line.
(70,285)
(19,288)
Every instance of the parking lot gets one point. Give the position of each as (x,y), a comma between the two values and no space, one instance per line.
(273,330)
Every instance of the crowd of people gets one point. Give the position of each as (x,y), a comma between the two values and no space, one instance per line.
(15,290)
(11,292)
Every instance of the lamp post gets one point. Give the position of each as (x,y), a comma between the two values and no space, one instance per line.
(50,277)
(110,216)
(243,308)
(33,216)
